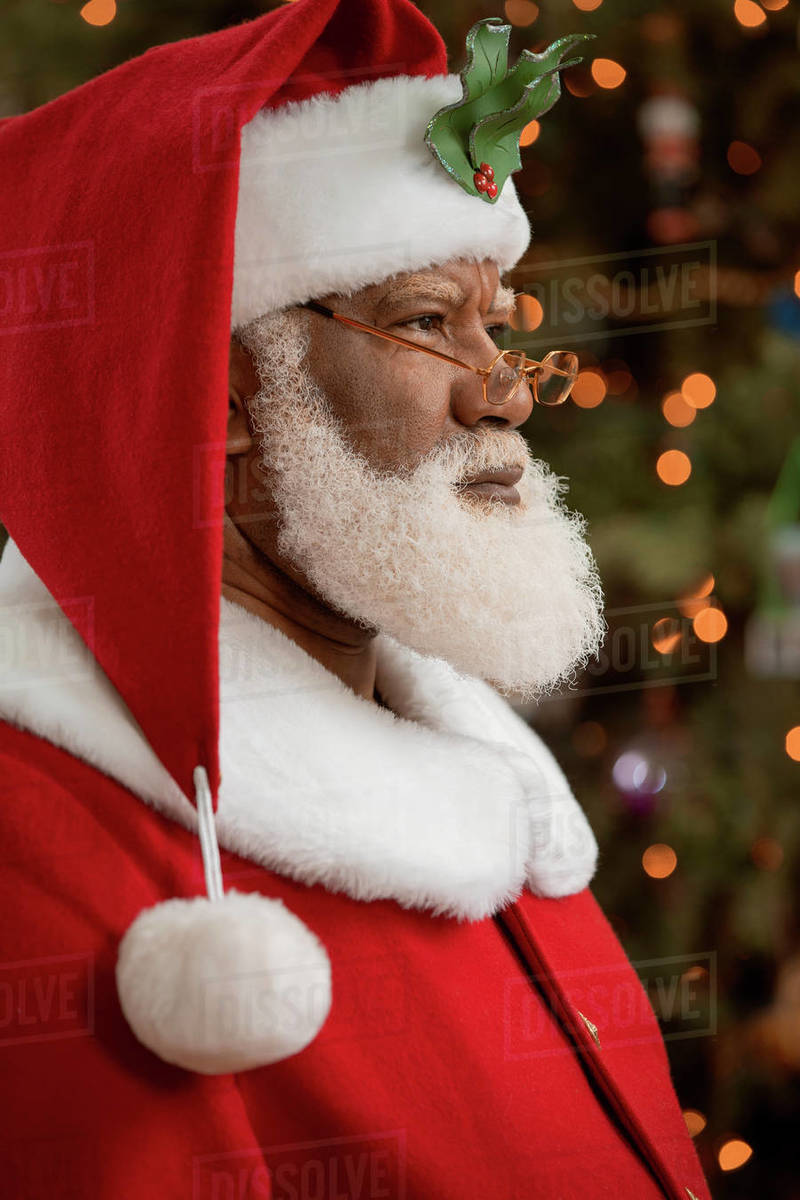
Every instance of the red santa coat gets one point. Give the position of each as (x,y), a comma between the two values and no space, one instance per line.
(504,1047)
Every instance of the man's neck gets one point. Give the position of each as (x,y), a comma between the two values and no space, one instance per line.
(250,578)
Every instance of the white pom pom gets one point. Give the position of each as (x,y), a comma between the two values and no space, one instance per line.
(223,985)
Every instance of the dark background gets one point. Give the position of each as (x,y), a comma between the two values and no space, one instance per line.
(666,215)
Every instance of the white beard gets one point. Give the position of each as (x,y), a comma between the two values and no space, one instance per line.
(508,593)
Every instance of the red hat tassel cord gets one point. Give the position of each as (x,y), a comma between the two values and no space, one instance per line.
(211,983)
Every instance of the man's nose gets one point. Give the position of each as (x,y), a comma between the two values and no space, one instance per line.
(472,396)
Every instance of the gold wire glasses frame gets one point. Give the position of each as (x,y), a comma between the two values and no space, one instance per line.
(550,380)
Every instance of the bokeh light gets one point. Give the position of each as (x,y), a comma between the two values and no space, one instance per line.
(578,81)
(793,743)
(589,739)
(99,12)
(618,377)
(699,389)
(710,624)
(530,133)
(589,389)
(695,1121)
(607,73)
(743,158)
(666,635)
(521,12)
(528,314)
(659,860)
(677,410)
(734,1154)
(587,5)
(633,772)
(673,467)
(797,284)
(767,854)
(749,14)
(693,602)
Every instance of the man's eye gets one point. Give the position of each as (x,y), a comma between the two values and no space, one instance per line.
(425,324)
(495,332)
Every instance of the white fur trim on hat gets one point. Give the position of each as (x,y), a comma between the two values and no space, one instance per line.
(339,192)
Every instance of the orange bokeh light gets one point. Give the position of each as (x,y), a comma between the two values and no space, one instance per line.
(607,73)
(749,14)
(666,635)
(677,410)
(691,603)
(734,1154)
(528,314)
(587,5)
(673,467)
(705,588)
(530,133)
(659,861)
(695,1121)
(699,389)
(710,624)
(521,12)
(618,378)
(774,5)
(797,283)
(793,743)
(99,12)
(589,389)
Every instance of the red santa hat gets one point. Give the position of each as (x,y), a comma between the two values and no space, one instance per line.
(133,240)
(355,194)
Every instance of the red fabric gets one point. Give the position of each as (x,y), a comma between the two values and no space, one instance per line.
(116,250)
(442,1071)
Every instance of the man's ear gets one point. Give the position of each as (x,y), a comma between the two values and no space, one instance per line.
(242,385)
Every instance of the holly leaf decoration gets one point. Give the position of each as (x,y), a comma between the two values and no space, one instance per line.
(495,106)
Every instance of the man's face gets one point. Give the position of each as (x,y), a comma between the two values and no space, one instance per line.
(395,404)
(356,483)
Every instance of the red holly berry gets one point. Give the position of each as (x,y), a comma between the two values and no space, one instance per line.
(487,171)
(481,182)
(491,190)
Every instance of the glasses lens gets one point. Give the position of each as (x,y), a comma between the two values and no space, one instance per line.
(555,377)
(506,377)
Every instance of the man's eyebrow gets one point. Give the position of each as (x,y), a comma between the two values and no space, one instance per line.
(505,300)
(417,288)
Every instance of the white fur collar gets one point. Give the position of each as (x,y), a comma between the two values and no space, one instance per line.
(449,802)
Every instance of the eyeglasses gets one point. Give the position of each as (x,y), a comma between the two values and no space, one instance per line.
(550,380)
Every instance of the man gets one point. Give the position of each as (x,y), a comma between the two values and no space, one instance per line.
(385,522)
(397,982)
